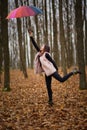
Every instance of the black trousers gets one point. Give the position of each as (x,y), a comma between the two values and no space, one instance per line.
(48,80)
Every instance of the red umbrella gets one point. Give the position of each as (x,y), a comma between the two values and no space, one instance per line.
(24,11)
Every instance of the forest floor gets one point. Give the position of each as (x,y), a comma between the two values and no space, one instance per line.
(26,107)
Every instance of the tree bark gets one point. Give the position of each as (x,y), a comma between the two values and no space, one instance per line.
(69,39)
(55,42)
(62,39)
(0,47)
(22,55)
(4,32)
(85,37)
(80,44)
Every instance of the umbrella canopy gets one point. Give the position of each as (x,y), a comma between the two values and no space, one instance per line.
(24,11)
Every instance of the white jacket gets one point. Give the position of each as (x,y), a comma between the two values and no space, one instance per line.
(37,66)
(47,65)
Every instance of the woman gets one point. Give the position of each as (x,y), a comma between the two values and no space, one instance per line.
(49,67)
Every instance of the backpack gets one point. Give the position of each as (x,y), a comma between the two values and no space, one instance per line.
(37,65)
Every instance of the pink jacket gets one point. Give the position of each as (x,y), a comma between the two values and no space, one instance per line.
(47,65)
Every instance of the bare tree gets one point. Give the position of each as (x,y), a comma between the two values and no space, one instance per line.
(69,34)
(50,24)
(22,55)
(4,32)
(46,22)
(62,39)
(85,25)
(55,42)
(80,44)
(0,46)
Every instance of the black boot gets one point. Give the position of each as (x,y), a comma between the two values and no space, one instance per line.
(75,71)
(50,102)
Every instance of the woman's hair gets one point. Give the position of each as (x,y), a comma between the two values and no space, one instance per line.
(46,48)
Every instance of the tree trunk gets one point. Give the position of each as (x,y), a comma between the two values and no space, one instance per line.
(4,32)
(69,39)
(55,42)
(0,56)
(85,23)
(0,59)
(46,22)
(22,57)
(62,39)
(50,19)
(86,42)
(80,44)
(37,25)
(0,47)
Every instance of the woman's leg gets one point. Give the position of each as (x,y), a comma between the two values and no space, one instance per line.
(62,79)
(48,85)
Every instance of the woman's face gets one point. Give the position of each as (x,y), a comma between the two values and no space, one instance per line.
(42,49)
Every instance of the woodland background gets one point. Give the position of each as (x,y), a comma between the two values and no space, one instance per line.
(63,25)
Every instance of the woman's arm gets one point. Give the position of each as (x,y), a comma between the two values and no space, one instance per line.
(34,44)
(51,60)
(33,41)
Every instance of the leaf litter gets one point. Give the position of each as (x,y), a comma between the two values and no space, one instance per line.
(25,107)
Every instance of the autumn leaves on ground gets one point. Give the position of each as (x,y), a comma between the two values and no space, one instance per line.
(25,107)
